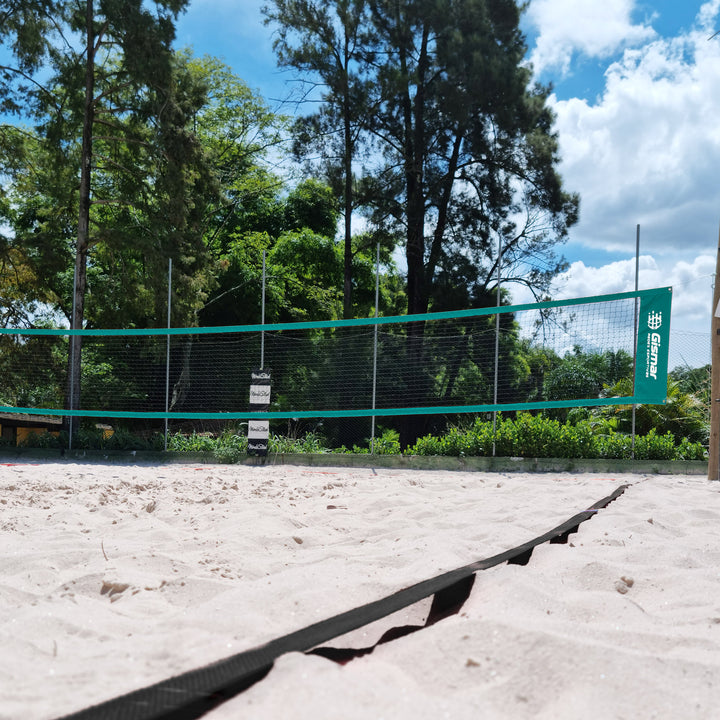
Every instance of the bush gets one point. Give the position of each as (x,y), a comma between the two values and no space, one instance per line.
(388,443)
(543,437)
(655,447)
(309,443)
(582,436)
(197,442)
(44,440)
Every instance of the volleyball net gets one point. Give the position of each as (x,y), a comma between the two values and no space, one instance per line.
(472,361)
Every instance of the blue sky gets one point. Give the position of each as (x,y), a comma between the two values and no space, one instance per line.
(637,98)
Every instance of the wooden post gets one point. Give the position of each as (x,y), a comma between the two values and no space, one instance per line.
(714,449)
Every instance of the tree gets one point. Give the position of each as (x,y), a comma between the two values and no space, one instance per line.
(328,43)
(236,129)
(465,151)
(27,26)
(114,113)
(470,152)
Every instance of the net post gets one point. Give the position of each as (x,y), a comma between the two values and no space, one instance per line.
(262,316)
(167,356)
(497,346)
(714,442)
(375,349)
(635,330)
(73,323)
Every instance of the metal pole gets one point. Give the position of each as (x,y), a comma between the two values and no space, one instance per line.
(262,317)
(375,349)
(72,359)
(714,446)
(635,330)
(497,345)
(167,358)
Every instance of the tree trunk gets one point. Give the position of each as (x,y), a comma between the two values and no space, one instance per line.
(83,229)
(417,287)
(348,151)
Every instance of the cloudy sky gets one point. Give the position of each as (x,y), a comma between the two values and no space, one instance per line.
(637,98)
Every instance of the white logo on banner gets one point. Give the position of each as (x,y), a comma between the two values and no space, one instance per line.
(654,342)
(655,320)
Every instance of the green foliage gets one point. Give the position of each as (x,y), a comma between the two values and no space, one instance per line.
(312,205)
(543,437)
(44,440)
(195,442)
(147,184)
(583,375)
(388,443)
(462,138)
(327,45)
(307,268)
(309,443)
(531,436)
(43,386)
(684,414)
(95,438)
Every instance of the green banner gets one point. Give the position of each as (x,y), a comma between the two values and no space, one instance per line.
(653,342)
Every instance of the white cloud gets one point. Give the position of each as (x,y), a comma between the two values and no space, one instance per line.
(691,304)
(692,296)
(648,151)
(595,28)
(691,281)
(581,280)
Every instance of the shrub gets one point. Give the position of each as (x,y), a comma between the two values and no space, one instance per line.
(311,442)
(655,447)
(197,442)
(42,440)
(388,443)
(543,437)
(582,436)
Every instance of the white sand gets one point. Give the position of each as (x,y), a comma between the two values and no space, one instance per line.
(113,577)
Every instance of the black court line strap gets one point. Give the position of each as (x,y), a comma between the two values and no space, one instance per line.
(446,602)
(191,694)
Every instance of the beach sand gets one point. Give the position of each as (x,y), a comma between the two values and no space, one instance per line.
(113,577)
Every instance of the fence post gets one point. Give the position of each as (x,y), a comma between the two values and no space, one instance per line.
(72,361)
(375,348)
(497,345)
(635,330)
(714,447)
(262,316)
(167,357)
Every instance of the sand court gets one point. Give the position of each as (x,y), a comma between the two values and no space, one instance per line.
(113,577)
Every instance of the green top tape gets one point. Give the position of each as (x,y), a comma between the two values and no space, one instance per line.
(305,325)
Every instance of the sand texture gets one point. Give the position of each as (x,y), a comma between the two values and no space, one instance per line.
(113,577)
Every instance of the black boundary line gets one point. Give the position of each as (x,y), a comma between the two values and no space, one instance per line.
(190,695)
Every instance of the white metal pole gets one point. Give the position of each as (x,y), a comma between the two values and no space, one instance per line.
(635,329)
(375,348)
(262,317)
(714,440)
(167,358)
(497,345)
(72,358)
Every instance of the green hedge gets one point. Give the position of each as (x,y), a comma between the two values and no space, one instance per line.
(537,436)
(531,436)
